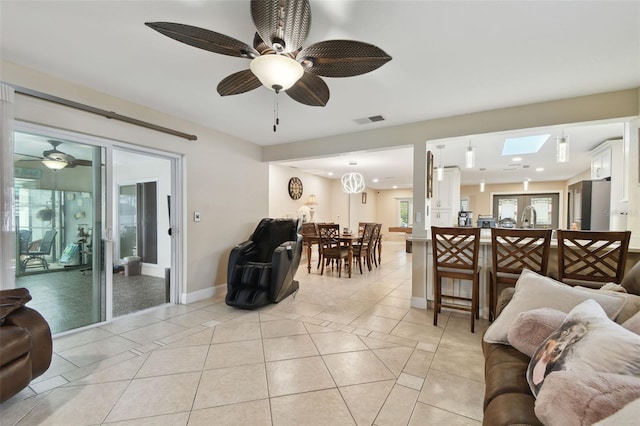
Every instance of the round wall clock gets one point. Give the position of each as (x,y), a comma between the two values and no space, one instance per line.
(295,188)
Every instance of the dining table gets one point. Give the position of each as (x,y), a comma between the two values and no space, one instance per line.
(346,240)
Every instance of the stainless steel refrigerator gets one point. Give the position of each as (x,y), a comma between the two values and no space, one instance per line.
(589,205)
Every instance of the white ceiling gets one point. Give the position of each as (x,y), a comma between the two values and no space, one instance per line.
(449,58)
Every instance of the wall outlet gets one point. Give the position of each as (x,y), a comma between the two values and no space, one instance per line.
(196,216)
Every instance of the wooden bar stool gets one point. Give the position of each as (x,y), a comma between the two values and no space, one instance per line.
(455,255)
(592,258)
(512,250)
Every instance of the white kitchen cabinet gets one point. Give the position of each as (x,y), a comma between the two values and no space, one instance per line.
(442,217)
(601,161)
(445,202)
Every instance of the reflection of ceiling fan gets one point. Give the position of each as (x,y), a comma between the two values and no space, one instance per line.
(55,159)
(278,60)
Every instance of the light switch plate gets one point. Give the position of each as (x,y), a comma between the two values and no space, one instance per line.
(196,216)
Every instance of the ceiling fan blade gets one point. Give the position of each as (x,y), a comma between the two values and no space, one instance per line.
(310,90)
(239,82)
(79,162)
(342,58)
(204,39)
(18,157)
(260,45)
(282,24)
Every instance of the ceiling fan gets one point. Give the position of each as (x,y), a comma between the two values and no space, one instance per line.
(55,159)
(278,60)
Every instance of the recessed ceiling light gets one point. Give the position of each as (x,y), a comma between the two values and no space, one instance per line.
(516,159)
(524,145)
(395,187)
(330,173)
(375,180)
(540,169)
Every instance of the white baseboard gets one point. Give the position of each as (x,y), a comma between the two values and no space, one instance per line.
(419,302)
(186,298)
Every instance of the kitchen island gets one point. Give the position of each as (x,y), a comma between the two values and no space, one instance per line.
(423,297)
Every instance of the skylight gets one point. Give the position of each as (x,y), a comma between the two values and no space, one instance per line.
(524,145)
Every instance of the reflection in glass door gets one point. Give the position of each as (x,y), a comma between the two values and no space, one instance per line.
(59,193)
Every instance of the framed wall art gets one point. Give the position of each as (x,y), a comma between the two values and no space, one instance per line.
(429,173)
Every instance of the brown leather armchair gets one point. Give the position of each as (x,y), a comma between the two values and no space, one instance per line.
(26,346)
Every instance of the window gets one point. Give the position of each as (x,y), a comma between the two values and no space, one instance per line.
(512,206)
(464,204)
(405,212)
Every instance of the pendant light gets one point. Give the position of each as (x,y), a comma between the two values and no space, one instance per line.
(470,156)
(562,149)
(440,168)
(525,184)
(352,182)
(482,183)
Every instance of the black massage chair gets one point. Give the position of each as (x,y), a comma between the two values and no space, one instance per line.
(261,270)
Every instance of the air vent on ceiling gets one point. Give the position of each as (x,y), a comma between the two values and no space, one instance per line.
(368,120)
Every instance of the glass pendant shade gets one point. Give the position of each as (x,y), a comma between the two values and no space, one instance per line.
(470,157)
(525,185)
(352,183)
(562,149)
(440,173)
(277,72)
(482,185)
(54,164)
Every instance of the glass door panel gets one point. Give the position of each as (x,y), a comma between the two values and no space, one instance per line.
(517,210)
(59,189)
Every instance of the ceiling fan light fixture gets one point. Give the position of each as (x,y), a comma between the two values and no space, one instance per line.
(277,72)
(54,164)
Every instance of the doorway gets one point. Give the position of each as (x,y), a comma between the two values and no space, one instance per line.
(66,207)
(142,243)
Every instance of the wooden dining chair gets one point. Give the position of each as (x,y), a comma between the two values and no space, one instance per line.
(512,250)
(331,248)
(455,256)
(309,233)
(362,250)
(376,240)
(592,258)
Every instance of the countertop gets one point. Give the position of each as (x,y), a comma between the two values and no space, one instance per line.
(485,239)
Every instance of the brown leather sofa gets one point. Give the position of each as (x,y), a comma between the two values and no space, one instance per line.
(508,399)
(26,346)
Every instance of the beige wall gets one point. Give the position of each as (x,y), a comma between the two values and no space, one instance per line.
(282,205)
(388,212)
(333,203)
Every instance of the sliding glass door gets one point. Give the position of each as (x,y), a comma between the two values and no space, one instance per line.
(59,217)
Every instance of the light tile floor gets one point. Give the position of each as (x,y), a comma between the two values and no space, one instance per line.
(343,352)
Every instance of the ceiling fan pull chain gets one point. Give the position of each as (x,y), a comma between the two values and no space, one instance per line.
(275,111)
(276,119)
